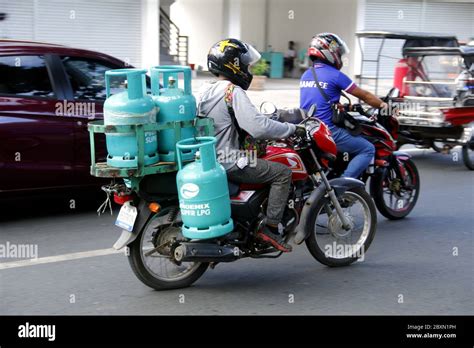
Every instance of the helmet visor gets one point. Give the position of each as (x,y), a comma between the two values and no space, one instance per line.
(344,48)
(251,56)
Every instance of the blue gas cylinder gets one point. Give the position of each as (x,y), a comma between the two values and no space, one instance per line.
(174,104)
(203,191)
(130,107)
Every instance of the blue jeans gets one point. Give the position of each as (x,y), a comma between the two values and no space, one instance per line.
(361,149)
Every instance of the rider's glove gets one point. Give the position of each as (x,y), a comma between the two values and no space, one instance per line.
(300,131)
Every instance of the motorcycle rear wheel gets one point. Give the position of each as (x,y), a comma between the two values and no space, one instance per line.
(328,250)
(164,274)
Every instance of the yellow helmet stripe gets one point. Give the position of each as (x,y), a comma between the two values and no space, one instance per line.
(235,69)
(224,43)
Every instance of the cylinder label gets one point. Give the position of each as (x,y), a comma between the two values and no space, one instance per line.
(195,209)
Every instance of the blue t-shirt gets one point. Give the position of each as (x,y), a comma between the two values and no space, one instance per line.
(332,81)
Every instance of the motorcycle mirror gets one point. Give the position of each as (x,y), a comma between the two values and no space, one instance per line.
(312,110)
(393,93)
(268,108)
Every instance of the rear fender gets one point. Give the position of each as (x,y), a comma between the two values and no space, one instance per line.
(340,185)
(144,214)
(401,155)
(398,166)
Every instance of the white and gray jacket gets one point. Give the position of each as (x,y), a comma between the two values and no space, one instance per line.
(248,117)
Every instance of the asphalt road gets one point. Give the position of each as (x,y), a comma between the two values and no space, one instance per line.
(425,260)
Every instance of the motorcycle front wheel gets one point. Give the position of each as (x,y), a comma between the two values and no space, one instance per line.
(150,258)
(393,199)
(329,242)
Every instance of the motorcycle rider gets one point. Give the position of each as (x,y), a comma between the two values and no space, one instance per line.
(226,101)
(326,51)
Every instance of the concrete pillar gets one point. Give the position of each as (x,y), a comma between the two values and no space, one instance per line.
(203,21)
(246,20)
(150,33)
(232,13)
(355,64)
(253,22)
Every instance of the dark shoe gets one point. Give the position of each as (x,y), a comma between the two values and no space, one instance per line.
(274,239)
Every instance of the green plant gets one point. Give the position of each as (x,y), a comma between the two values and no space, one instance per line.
(260,68)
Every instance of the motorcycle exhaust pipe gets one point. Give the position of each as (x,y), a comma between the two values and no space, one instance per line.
(206,252)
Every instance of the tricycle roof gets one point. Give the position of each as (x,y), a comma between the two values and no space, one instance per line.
(431,51)
(403,35)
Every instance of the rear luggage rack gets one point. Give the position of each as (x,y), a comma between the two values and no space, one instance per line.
(204,127)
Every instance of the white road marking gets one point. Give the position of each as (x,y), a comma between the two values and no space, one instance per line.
(412,150)
(423,151)
(59,258)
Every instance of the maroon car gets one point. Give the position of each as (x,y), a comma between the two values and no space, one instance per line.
(48,93)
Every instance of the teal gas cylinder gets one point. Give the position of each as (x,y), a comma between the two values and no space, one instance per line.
(174,104)
(132,106)
(203,191)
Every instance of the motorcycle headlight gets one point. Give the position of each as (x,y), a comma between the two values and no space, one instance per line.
(312,126)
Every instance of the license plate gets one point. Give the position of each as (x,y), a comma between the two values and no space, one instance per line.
(126,217)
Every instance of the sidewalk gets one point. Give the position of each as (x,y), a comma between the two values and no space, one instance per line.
(281,92)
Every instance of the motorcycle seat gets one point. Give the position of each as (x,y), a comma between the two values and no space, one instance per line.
(234,188)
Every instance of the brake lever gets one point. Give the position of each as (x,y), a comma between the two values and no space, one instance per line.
(374,116)
(304,121)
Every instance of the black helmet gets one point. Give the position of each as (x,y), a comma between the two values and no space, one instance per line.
(329,48)
(231,58)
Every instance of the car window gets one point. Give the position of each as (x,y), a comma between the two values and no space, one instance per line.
(87,78)
(25,76)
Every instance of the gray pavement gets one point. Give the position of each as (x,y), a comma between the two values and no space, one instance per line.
(412,257)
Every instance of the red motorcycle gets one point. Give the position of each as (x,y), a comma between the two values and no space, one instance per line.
(336,218)
(394,178)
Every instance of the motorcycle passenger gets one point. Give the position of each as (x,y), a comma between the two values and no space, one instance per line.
(236,118)
(326,51)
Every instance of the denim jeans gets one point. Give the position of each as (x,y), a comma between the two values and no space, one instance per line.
(277,175)
(361,149)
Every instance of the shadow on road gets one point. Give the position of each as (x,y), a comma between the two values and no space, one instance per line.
(50,204)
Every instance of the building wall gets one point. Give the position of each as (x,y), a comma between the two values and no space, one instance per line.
(265,23)
(124,29)
(309,17)
(262,22)
(444,17)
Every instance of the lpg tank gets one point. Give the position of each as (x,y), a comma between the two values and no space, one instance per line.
(203,191)
(130,107)
(174,104)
